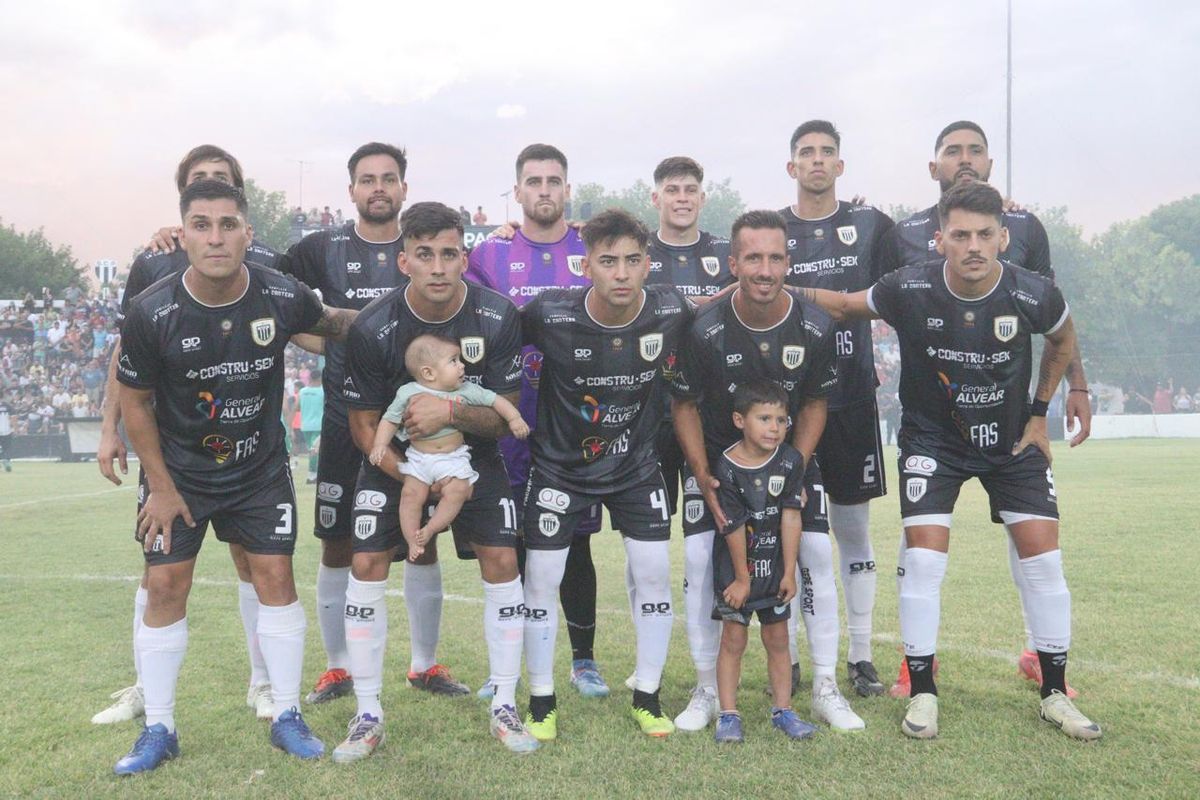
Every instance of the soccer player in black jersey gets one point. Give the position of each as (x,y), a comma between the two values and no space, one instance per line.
(201,372)
(350,266)
(843,247)
(760,330)
(965,328)
(434,300)
(205,162)
(599,407)
(961,156)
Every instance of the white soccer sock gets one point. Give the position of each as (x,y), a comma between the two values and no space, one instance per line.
(818,602)
(504,631)
(366,637)
(856,557)
(651,567)
(921,600)
(900,560)
(139,611)
(1049,602)
(423,599)
(281,637)
(631,592)
(248,607)
(1018,576)
(703,632)
(543,574)
(331,614)
(161,652)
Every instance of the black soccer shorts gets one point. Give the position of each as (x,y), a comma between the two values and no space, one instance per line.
(851,454)
(553,514)
(338,466)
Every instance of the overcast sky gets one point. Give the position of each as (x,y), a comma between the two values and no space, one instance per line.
(102,99)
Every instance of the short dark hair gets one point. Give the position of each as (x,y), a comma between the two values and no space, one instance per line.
(425,348)
(678,167)
(423,220)
(207,152)
(757,220)
(758,390)
(975,196)
(397,154)
(315,376)
(612,224)
(960,125)
(815,126)
(541,152)
(212,190)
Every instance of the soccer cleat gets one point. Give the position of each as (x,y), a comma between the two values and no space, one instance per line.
(544,729)
(864,678)
(437,680)
(793,727)
(154,745)
(701,710)
(829,706)
(259,698)
(729,728)
(585,676)
(921,719)
(1058,709)
(130,704)
(649,715)
(506,726)
(487,691)
(332,684)
(1030,667)
(903,685)
(363,735)
(290,734)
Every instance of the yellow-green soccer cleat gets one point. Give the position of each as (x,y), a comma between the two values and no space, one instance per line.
(544,729)
(652,724)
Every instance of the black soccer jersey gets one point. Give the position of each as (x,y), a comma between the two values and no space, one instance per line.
(719,353)
(846,251)
(1028,245)
(217,375)
(965,364)
(599,402)
(349,272)
(700,269)
(149,268)
(755,497)
(486,327)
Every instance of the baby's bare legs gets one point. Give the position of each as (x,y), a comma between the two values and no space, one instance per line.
(455,493)
(412,503)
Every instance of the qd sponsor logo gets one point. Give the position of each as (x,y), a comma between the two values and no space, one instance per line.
(190,343)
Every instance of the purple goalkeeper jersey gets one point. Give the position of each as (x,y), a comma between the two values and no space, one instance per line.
(522,269)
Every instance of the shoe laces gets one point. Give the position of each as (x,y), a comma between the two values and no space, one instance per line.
(121,694)
(829,693)
(1063,705)
(507,718)
(360,726)
(148,737)
(700,696)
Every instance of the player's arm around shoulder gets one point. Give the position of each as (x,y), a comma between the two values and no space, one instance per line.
(334,323)
(839,305)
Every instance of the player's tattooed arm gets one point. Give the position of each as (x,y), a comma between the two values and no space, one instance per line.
(685,417)
(426,414)
(839,305)
(809,425)
(334,323)
(1079,402)
(163,503)
(309,343)
(1057,353)
(111,445)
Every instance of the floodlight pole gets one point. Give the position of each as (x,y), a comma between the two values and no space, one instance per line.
(1008,115)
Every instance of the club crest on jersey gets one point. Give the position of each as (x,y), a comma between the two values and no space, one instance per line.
(1004,327)
(711,265)
(548,524)
(775,485)
(472,348)
(263,331)
(914,488)
(327,515)
(693,510)
(651,345)
(793,355)
(847,234)
(575,265)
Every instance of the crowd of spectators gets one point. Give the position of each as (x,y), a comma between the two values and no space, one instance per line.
(314,218)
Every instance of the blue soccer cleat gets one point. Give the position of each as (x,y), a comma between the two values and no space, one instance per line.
(154,745)
(786,720)
(729,728)
(291,734)
(586,678)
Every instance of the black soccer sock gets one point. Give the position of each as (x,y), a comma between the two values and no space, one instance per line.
(1054,672)
(541,705)
(920,674)
(578,595)
(647,701)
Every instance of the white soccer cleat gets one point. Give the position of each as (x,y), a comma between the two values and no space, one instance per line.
(1057,709)
(130,704)
(364,735)
(830,707)
(259,698)
(921,719)
(631,681)
(701,710)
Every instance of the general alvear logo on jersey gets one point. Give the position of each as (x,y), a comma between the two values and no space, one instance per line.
(263,331)
(847,234)
(472,348)
(1005,327)
(575,265)
(711,265)
(775,485)
(651,346)
(793,355)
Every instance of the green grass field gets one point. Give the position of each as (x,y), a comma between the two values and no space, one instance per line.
(1131,538)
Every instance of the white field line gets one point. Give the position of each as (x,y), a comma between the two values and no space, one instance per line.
(49,501)
(1156,676)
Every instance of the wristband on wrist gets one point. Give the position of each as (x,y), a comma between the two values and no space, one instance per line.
(1038,408)
(1085,391)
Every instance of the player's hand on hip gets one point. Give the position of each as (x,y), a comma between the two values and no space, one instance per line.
(1079,409)
(708,488)
(164,240)
(111,447)
(1035,434)
(158,516)
(426,414)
